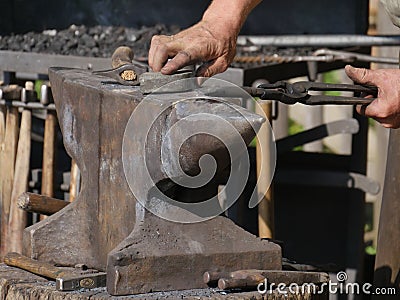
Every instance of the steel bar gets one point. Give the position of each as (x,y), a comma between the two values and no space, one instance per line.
(37,63)
(320,55)
(29,105)
(353,56)
(334,179)
(286,144)
(337,40)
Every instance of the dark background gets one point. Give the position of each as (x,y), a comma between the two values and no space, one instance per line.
(270,17)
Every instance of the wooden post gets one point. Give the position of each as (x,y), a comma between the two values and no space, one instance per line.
(18,217)
(266,206)
(7,170)
(48,156)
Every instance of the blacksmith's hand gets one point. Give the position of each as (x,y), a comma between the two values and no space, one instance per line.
(386,107)
(211,42)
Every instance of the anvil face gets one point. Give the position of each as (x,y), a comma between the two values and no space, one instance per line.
(133,151)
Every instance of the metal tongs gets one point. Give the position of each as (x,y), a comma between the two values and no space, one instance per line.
(291,93)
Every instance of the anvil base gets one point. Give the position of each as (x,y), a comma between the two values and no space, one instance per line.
(161,256)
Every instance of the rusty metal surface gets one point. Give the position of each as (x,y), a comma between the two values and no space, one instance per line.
(145,252)
(19,284)
(151,81)
(161,255)
(92,123)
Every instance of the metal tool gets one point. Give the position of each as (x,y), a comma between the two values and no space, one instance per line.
(131,73)
(298,92)
(127,74)
(320,55)
(66,279)
(251,278)
(124,69)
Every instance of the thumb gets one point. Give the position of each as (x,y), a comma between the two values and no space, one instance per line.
(213,67)
(360,75)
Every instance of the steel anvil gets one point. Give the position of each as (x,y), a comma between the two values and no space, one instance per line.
(107,227)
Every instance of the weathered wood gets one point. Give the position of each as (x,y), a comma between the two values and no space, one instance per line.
(7,170)
(251,280)
(40,204)
(48,155)
(18,218)
(40,268)
(266,206)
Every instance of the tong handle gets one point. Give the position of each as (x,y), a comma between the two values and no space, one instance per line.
(336,100)
(304,86)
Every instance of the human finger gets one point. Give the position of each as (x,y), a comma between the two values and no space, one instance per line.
(213,67)
(158,52)
(180,60)
(360,75)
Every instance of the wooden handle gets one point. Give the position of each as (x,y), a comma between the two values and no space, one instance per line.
(40,268)
(232,283)
(40,204)
(48,156)
(18,218)
(7,170)
(266,206)
(212,277)
(122,55)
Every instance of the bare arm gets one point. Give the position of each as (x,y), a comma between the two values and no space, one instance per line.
(211,41)
(386,108)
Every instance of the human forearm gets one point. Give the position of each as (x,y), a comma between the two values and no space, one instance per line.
(231,14)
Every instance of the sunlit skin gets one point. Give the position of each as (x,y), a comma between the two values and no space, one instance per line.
(386,108)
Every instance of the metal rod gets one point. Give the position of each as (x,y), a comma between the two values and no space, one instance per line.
(320,55)
(29,105)
(337,40)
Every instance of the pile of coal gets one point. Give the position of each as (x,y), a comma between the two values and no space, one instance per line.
(96,41)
